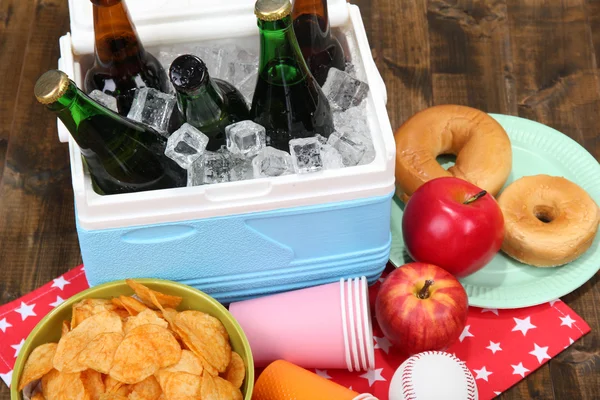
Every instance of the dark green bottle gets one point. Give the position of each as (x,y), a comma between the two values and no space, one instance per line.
(208,104)
(287,101)
(122,156)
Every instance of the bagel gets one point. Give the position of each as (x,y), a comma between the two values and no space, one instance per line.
(548,220)
(480,144)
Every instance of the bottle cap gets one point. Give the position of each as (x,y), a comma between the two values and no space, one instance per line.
(272,10)
(188,73)
(51,86)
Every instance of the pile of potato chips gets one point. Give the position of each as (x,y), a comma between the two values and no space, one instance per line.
(124,348)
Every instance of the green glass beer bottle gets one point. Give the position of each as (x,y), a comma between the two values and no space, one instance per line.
(320,48)
(121,63)
(208,104)
(287,101)
(122,156)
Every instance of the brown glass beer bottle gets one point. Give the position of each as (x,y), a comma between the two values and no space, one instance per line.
(320,49)
(121,64)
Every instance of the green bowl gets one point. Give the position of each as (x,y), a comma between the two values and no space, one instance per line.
(49,328)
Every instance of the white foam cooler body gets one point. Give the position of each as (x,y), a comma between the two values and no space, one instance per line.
(236,240)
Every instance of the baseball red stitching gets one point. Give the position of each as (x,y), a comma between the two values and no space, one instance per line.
(408,389)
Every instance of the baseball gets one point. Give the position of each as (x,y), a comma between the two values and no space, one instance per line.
(433,375)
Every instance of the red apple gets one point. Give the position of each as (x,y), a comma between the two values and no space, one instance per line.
(453,224)
(421,307)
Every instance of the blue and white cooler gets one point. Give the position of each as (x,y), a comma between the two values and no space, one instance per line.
(236,240)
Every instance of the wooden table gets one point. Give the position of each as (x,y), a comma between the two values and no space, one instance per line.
(532,58)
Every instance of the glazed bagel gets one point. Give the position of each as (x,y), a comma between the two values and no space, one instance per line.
(548,220)
(481,145)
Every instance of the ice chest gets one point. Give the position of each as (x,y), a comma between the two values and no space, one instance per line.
(236,240)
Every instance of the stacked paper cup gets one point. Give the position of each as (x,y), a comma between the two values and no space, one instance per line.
(327,326)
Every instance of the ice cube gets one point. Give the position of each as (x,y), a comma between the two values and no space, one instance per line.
(104,99)
(306,155)
(322,139)
(153,108)
(196,173)
(216,167)
(186,145)
(349,145)
(332,159)
(245,138)
(241,168)
(343,91)
(272,162)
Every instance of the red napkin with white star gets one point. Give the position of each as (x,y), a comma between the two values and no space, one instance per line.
(500,347)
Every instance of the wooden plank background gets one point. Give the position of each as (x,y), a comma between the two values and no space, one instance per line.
(532,58)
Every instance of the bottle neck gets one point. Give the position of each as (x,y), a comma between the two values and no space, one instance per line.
(116,37)
(203,106)
(281,61)
(312,8)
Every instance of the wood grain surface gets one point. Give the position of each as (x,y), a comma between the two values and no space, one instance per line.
(532,58)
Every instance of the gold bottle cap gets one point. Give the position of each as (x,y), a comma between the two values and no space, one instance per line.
(51,86)
(272,10)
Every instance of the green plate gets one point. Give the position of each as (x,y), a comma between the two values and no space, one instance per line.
(504,282)
(49,328)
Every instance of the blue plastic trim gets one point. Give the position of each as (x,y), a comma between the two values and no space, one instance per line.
(242,256)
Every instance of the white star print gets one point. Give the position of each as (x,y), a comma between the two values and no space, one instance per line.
(567,321)
(523,325)
(4,325)
(60,283)
(465,333)
(492,310)
(373,375)
(381,280)
(26,311)
(482,373)
(497,393)
(570,343)
(519,370)
(540,352)
(383,343)
(7,377)
(322,373)
(494,347)
(17,347)
(58,301)
(551,302)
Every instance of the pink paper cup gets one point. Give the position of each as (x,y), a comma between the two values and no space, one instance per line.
(314,327)
(359,328)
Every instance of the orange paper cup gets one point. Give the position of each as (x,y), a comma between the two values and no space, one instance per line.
(282,380)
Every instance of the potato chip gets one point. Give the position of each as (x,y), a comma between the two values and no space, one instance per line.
(66,327)
(163,341)
(148,389)
(135,359)
(113,386)
(133,306)
(57,385)
(92,383)
(145,317)
(187,363)
(216,388)
(236,371)
(206,337)
(152,298)
(88,307)
(38,396)
(112,396)
(73,343)
(99,353)
(180,385)
(38,364)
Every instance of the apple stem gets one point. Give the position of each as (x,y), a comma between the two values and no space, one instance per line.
(477,196)
(424,292)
